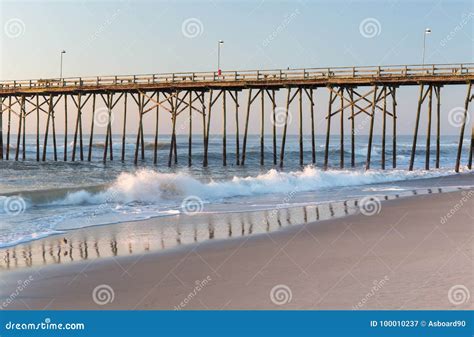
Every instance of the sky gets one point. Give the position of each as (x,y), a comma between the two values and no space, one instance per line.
(144,37)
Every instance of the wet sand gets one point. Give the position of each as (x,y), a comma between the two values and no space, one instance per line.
(416,253)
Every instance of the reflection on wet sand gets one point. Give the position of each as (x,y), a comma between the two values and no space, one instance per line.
(164,233)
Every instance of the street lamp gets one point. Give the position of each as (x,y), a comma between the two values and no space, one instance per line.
(219,72)
(61,68)
(427,31)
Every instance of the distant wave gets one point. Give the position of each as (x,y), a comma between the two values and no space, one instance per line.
(151,187)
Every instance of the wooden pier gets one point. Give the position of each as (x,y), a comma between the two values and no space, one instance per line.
(359,90)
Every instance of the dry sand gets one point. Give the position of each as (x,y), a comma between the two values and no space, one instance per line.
(405,257)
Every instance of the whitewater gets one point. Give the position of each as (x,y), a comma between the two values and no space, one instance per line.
(43,199)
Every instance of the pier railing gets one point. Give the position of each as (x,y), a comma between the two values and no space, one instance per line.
(370,72)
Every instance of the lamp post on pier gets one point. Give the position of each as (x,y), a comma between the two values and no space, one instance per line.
(219,72)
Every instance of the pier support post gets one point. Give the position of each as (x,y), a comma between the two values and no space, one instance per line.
(428,131)
(20,120)
(37,128)
(262,127)
(274,136)
(91,136)
(313,141)
(53,124)
(471,149)
(438,123)
(341,146)
(1,128)
(371,130)
(463,126)
(9,126)
(124,129)
(141,100)
(244,145)
(300,104)
(190,137)
(328,130)
(237,145)
(50,111)
(384,125)
(65,128)
(394,128)
(283,139)
(415,133)
(351,97)
(206,130)
(224,129)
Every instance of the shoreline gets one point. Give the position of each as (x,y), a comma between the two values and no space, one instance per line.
(172,232)
(330,264)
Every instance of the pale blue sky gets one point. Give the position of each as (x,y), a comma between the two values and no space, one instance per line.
(128,37)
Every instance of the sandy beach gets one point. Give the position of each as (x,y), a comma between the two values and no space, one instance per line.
(415,253)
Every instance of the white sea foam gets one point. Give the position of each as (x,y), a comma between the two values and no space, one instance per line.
(150,187)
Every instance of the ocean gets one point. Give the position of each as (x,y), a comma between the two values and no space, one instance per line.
(40,199)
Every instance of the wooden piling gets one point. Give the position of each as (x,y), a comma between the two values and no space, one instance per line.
(415,133)
(438,123)
(384,125)
(53,124)
(140,117)
(9,126)
(207,130)
(371,130)
(106,143)
(285,127)
(463,126)
(428,131)
(50,110)
(237,145)
(224,129)
(274,128)
(351,97)
(469,162)
(1,128)
(37,128)
(65,128)
(244,145)
(394,128)
(190,137)
(313,140)
(328,130)
(262,127)
(91,136)
(157,119)
(341,146)
(124,127)
(300,101)
(173,131)
(20,120)
(78,104)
